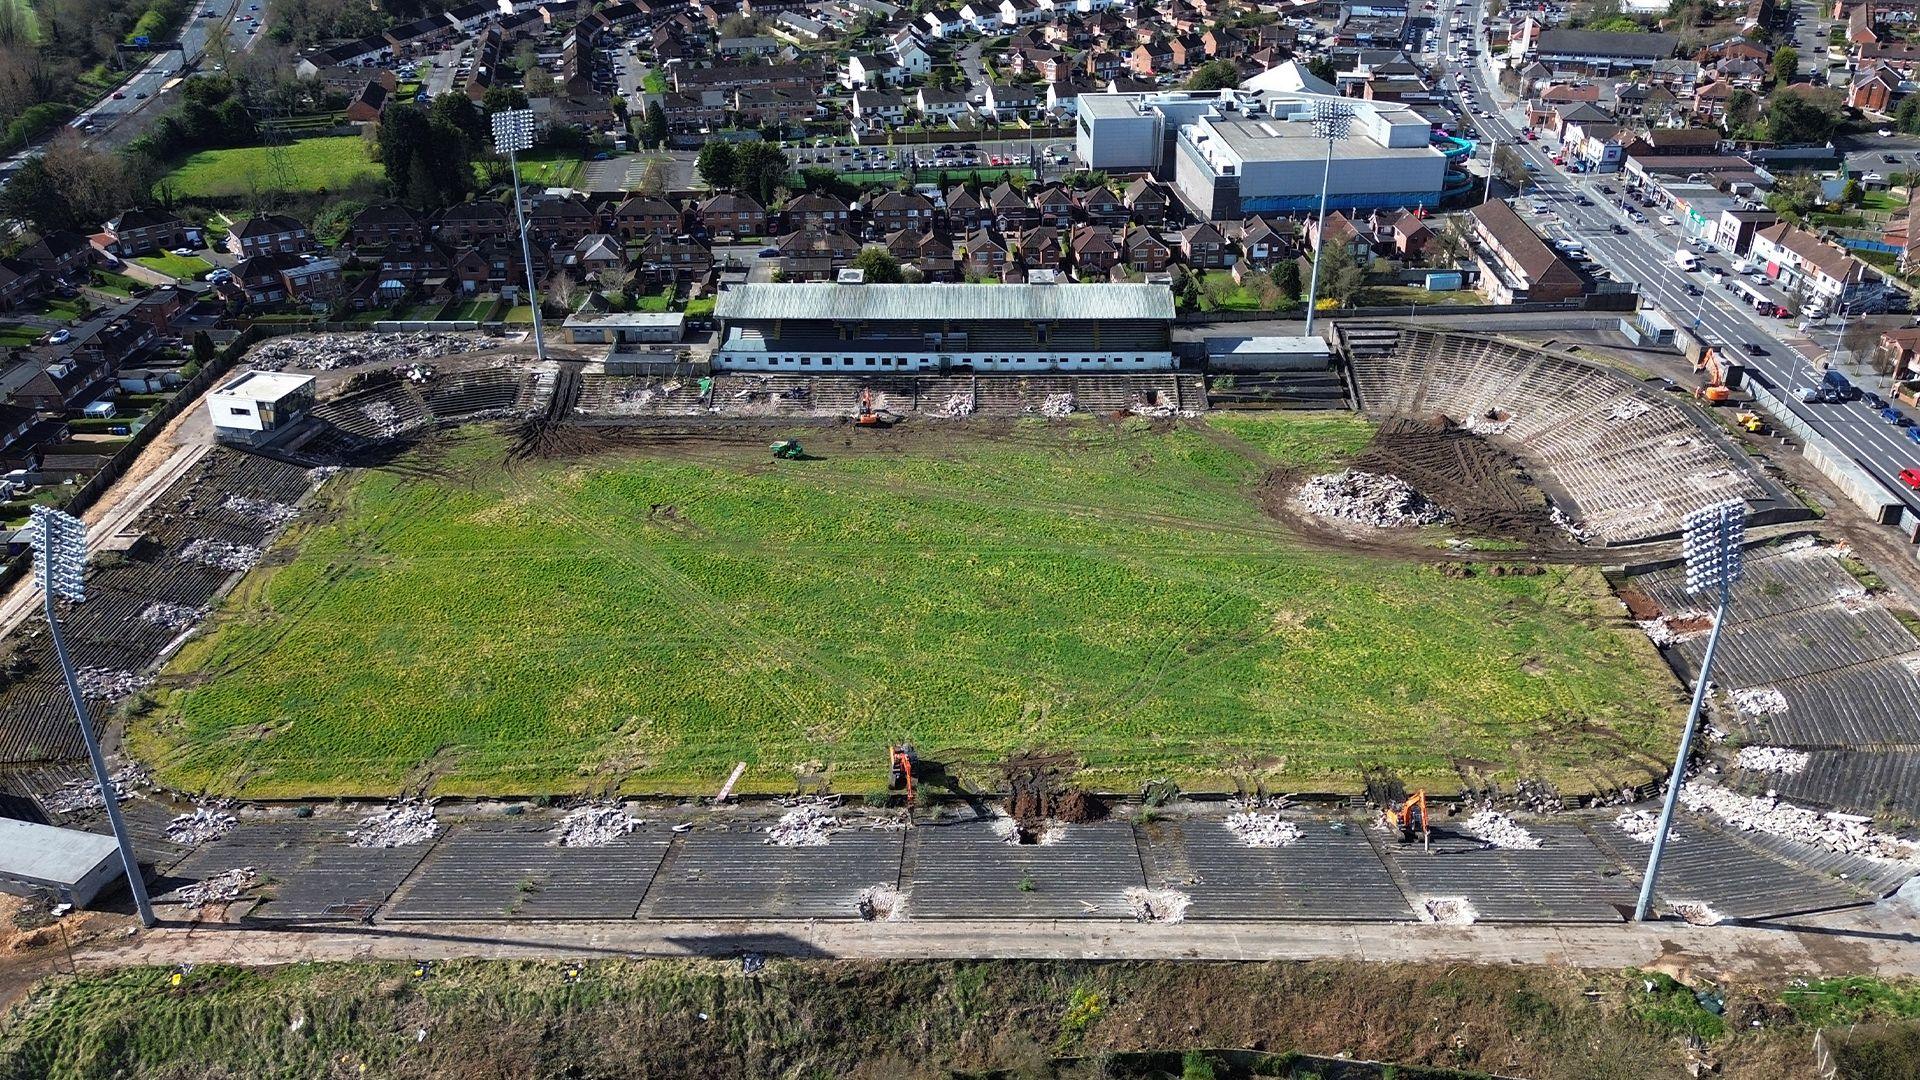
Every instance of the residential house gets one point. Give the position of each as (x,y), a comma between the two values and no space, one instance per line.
(879,108)
(1204,247)
(1011,101)
(1055,205)
(666,260)
(369,103)
(141,232)
(891,211)
(59,254)
(1094,252)
(471,223)
(965,211)
(1146,202)
(986,256)
(815,254)
(1011,211)
(871,71)
(913,56)
(1411,237)
(733,215)
(1038,248)
(816,211)
(383,224)
(21,282)
(1102,207)
(646,215)
(1145,252)
(937,105)
(282,277)
(1799,261)
(561,222)
(268,234)
(596,252)
(1516,266)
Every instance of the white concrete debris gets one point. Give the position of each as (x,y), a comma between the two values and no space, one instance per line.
(1713,733)
(1263,830)
(1499,830)
(1156,407)
(1574,530)
(806,825)
(107,684)
(1157,905)
(1642,825)
(172,616)
(385,417)
(881,903)
(324,352)
(1057,406)
(1538,797)
(203,826)
(1772,759)
(1451,910)
(1853,600)
(1697,912)
(1677,627)
(1385,502)
(954,408)
(594,825)
(81,794)
(1008,830)
(1629,409)
(265,511)
(1759,701)
(218,889)
(220,555)
(400,825)
(1490,422)
(1848,834)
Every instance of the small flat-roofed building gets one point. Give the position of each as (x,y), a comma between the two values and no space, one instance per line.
(1269,354)
(257,406)
(928,327)
(625,328)
(68,863)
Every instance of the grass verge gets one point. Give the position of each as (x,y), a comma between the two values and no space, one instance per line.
(323,164)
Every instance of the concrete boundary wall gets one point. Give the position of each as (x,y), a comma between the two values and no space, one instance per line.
(1866,492)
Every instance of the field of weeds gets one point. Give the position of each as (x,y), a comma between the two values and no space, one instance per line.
(644,618)
(616,1018)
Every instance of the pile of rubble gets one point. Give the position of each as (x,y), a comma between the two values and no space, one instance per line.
(594,825)
(1384,502)
(1157,905)
(1848,834)
(1575,531)
(264,511)
(401,825)
(882,903)
(1628,409)
(954,408)
(81,794)
(203,826)
(108,684)
(1538,797)
(325,352)
(806,825)
(1678,627)
(1777,760)
(218,889)
(1450,910)
(385,418)
(220,555)
(1156,407)
(1759,701)
(1642,825)
(1057,406)
(1499,830)
(1263,830)
(172,616)
(1491,422)
(1697,913)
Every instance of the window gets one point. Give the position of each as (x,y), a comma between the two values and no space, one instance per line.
(238,411)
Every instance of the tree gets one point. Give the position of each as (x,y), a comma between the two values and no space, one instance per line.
(1450,244)
(1795,193)
(560,293)
(1286,278)
(34,196)
(759,168)
(539,82)
(1850,192)
(1511,167)
(1786,64)
(1341,275)
(202,348)
(502,97)
(879,264)
(653,178)
(653,129)
(1322,68)
(1799,118)
(614,280)
(1906,115)
(716,164)
(426,157)
(1214,75)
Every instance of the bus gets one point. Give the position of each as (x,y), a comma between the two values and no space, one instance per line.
(1750,296)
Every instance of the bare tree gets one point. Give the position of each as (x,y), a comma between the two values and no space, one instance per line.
(561,291)
(614,280)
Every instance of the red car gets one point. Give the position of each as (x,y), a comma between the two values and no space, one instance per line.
(1911,478)
(119,95)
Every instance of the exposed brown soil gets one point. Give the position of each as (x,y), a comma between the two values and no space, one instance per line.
(1639,605)
(1487,489)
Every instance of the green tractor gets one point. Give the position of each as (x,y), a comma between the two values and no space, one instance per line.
(788,449)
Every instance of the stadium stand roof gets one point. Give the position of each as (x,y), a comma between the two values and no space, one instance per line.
(832,300)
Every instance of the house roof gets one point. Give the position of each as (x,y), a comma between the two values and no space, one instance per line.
(1560,42)
(1524,246)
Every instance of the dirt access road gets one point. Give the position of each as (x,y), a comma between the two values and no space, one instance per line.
(1880,939)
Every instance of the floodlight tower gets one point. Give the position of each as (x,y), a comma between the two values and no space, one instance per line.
(1710,543)
(60,566)
(512,133)
(1332,121)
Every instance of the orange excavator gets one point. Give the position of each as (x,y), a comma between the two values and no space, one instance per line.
(867,417)
(901,761)
(1410,817)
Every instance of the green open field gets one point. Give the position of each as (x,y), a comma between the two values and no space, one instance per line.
(175,266)
(645,618)
(324,164)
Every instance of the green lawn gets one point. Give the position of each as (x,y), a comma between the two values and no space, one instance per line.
(647,619)
(324,164)
(175,266)
(654,83)
(115,284)
(1403,295)
(470,310)
(700,307)
(1883,201)
(55,307)
(660,301)
(16,336)
(550,169)
(520,313)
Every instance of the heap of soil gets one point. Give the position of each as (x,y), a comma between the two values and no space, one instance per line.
(1488,489)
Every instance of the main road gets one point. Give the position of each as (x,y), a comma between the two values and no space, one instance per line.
(1575,207)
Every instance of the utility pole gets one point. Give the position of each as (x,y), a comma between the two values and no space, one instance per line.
(60,566)
(1332,121)
(512,133)
(1710,542)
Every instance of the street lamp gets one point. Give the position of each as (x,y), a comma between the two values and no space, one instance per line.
(60,566)
(512,133)
(1332,120)
(1710,542)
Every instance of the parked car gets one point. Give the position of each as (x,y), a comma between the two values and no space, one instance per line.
(59,337)
(183,251)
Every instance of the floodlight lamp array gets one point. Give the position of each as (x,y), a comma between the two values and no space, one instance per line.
(1711,542)
(60,552)
(513,130)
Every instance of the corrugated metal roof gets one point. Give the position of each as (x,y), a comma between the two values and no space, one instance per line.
(831,300)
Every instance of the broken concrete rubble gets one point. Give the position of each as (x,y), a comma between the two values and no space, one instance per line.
(81,794)
(325,352)
(955,407)
(106,684)
(1499,830)
(1450,910)
(1678,627)
(219,554)
(806,825)
(1697,912)
(264,511)
(881,903)
(1057,406)
(219,889)
(1263,830)
(1772,759)
(172,616)
(1157,905)
(1642,825)
(594,825)
(1759,701)
(1848,834)
(1384,502)
(400,825)
(203,826)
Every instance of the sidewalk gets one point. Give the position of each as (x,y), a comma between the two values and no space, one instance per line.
(1850,943)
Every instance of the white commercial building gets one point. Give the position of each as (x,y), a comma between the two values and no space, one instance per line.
(1235,153)
(258,405)
(883,329)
